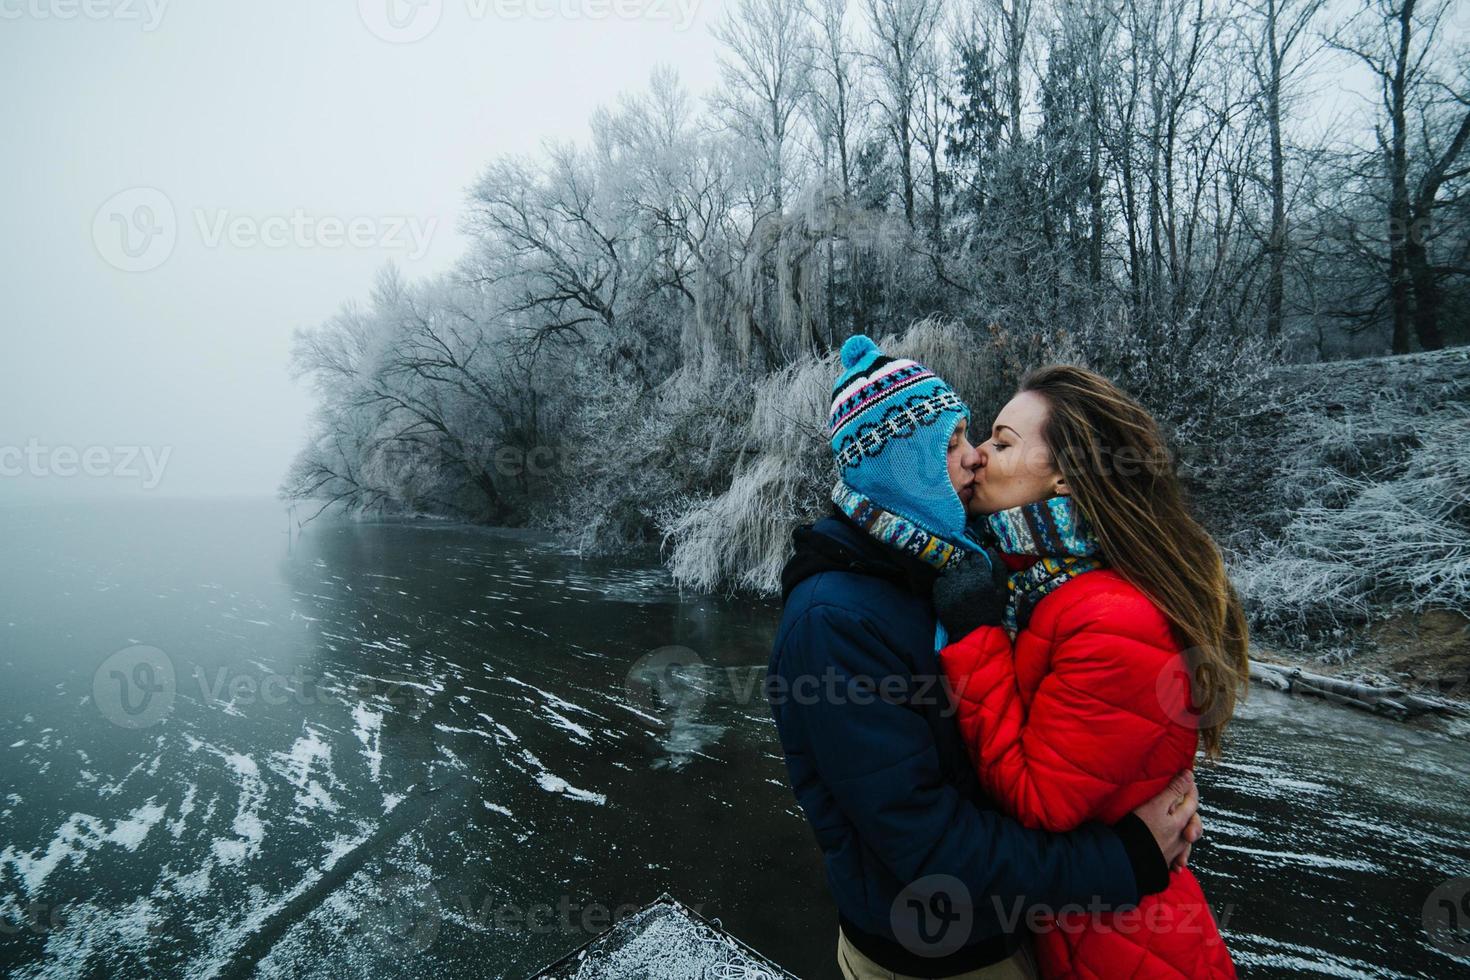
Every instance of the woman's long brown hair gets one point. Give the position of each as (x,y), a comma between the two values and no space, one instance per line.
(1111,453)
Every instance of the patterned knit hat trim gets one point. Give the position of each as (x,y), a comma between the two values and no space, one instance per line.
(847,384)
(895,375)
(896,531)
(899,421)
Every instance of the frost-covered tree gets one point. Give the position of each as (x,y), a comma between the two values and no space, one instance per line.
(1278,43)
(1418,160)
(901,34)
(633,347)
(764,64)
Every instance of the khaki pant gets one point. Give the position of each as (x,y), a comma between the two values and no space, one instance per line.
(856,966)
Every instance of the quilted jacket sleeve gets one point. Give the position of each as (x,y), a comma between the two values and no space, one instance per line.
(1097,738)
(879,760)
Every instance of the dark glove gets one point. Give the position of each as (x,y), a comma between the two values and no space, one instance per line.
(972,594)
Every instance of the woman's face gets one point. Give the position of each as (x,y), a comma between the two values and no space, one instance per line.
(1015,465)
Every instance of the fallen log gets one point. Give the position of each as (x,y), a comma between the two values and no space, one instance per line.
(1393,702)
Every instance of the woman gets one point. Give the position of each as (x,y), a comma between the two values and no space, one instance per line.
(1114,658)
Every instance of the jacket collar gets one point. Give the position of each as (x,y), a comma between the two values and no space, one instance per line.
(836,543)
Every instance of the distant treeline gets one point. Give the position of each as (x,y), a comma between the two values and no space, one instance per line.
(637,346)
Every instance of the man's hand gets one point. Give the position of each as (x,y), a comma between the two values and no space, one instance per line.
(1173,818)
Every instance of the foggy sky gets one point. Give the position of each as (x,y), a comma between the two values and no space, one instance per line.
(286,114)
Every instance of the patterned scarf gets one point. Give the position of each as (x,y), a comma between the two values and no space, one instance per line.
(1054,529)
(897,531)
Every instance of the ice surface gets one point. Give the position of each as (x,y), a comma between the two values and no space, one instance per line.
(368,725)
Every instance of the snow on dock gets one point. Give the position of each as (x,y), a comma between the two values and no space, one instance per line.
(664,939)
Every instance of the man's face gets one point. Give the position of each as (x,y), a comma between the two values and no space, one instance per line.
(961,460)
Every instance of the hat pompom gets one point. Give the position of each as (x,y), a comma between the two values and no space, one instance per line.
(857,347)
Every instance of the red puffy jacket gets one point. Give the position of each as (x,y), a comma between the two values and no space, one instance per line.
(1086,718)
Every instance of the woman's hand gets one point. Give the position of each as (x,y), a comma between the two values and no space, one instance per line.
(972,594)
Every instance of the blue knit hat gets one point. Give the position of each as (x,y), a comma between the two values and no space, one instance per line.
(890,426)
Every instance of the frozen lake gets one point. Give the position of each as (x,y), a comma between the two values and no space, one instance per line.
(414,749)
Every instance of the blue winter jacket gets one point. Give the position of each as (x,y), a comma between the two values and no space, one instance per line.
(875,759)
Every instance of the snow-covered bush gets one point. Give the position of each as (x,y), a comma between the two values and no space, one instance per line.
(1363,500)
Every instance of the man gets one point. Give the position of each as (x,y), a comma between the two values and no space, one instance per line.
(929,878)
